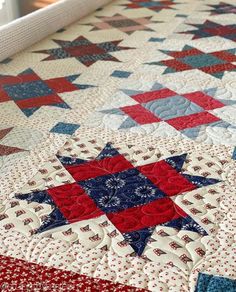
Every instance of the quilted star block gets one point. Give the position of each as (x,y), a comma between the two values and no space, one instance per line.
(84,51)
(185,113)
(30,92)
(154,207)
(152,5)
(214,63)
(134,199)
(222,8)
(211,29)
(123,23)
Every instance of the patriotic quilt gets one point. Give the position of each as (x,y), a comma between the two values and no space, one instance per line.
(117,152)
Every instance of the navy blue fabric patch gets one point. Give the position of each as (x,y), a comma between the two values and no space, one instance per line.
(70,160)
(200,181)
(72,78)
(138,239)
(120,191)
(37,196)
(177,162)
(27,90)
(54,219)
(108,151)
(186,223)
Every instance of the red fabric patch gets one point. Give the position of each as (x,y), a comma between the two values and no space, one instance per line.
(140,115)
(8,80)
(18,275)
(203,100)
(152,95)
(96,168)
(133,5)
(193,120)
(218,68)
(226,56)
(185,53)
(60,85)
(154,213)
(7,150)
(4,132)
(3,95)
(74,203)
(220,30)
(86,50)
(39,101)
(176,65)
(166,178)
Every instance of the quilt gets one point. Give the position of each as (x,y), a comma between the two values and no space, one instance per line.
(117,152)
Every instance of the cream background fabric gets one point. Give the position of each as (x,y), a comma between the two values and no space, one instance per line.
(29,29)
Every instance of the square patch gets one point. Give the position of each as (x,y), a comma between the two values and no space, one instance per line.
(172,107)
(198,61)
(27,90)
(65,128)
(122,190)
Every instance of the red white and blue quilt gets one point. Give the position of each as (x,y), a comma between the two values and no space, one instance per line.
(117,152)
